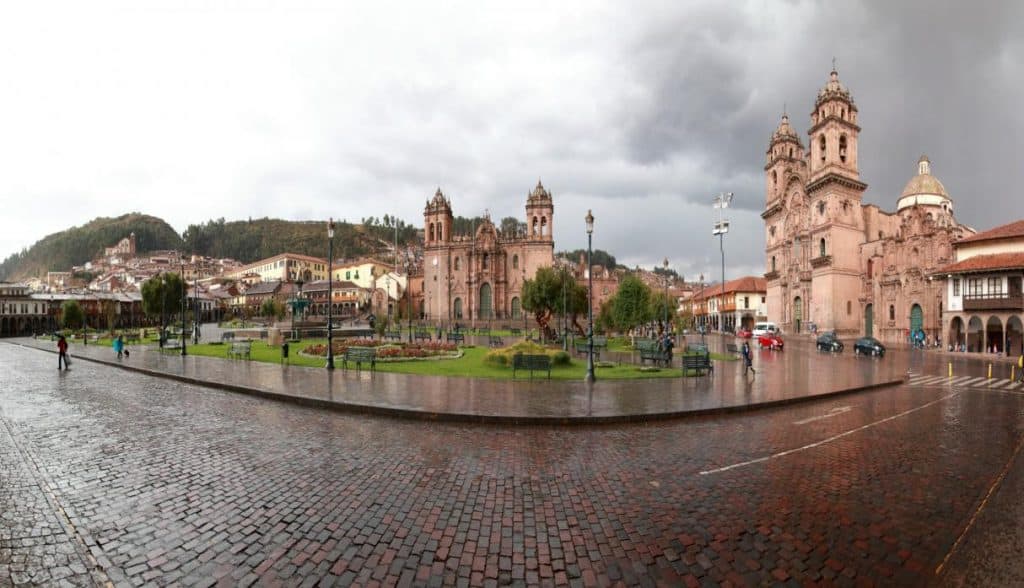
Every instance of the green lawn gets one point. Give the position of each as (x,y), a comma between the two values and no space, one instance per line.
(470,365)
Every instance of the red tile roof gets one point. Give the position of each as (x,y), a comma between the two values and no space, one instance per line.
(1014,229)
(744,284)
(989,262)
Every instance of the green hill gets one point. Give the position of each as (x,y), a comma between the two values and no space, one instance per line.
(77,245)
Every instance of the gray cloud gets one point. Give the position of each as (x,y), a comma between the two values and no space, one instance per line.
(641,112)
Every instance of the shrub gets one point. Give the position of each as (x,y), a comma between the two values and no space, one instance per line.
(503,357)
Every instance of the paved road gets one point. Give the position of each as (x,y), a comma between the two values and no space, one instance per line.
(119,476)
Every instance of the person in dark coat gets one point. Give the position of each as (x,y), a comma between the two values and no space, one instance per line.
(62,352)
(748,361)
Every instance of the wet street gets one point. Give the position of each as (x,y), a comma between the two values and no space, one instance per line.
(112,475)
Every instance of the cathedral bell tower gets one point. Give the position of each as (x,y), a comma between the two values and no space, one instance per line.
(437,221)
(833,133)
(539,214)
(784,159)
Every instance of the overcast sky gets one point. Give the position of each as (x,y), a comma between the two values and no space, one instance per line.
(641,111)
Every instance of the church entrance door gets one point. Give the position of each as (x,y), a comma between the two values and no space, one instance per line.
(869,320)
(798,313)
(485,301)
(916,318)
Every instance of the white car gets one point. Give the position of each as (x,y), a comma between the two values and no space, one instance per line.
(765,328)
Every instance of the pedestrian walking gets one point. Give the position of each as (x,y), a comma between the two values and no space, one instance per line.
(62,352)
(668,344)
(748,361)
(119,346)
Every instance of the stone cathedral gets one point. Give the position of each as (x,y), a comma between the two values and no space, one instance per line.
(834,262)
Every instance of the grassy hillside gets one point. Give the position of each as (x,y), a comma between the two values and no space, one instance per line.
(77,245)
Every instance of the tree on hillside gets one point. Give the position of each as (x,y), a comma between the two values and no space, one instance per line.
(71,315)
(599,257)
(511,226)
(165,288)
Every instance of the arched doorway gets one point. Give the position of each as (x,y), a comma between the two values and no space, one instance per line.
(485,301)
(956,333)
(869,320)
(515,308)
(974,335)
(1014,335)
(798,313)
(457,308)
(994,334)
(916,318)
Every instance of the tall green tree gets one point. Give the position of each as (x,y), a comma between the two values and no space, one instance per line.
(153,294)
(631,305)
(272,309)
(554,292)
(663,308)
(71,315)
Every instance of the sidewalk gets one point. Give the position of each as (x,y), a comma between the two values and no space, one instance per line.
(782,378)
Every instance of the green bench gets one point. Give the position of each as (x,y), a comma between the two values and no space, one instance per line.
(422,334)
(393,335)
(649,351)
(240,350)
(359,355)
(522,361)
(456,337)
(699,363)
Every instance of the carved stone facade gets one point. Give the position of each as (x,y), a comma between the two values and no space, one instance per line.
(470,278)
(835,262)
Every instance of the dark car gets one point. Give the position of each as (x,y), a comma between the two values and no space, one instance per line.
(829,342)
(868,346)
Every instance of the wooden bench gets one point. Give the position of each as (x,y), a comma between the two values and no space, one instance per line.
(422,334)
(393,335)
(699,363)
(521,361)
(359,355)
(456,337)
(495,341)
(732,348)
(240,350)
(581,348)
(649,350)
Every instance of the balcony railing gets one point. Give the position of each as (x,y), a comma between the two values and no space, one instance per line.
(994,302)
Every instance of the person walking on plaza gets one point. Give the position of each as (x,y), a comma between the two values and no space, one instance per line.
(119,346)
(668,345)
(62,352)
(748,361)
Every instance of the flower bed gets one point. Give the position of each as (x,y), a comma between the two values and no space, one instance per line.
(389,351)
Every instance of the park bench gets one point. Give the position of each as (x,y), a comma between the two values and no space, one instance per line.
(422,334)
(240,350)
(359,355)
(516,332)
(495,341)
(649,350)
(227,337)
(640,342)
(393,335)
(697,348)
(172,343)
(131,338)
(522,361)
(581,347)
(699,363)
(456,337)
(732,348)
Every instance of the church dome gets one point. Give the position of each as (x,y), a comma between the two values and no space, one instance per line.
(924,188)
(834,89)
(784,130)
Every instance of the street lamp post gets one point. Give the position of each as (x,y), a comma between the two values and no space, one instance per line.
(590,298)
(565,326)
(163,309)
(330,288)
(195,308)
(664,264)
(184,299)
(721,228)
(704,316)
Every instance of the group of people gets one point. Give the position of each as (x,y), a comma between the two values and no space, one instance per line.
(62,351)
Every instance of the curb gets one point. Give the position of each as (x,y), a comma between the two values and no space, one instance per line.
(409,414)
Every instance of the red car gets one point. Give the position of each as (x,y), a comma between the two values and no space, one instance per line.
(744,334)
(770,341)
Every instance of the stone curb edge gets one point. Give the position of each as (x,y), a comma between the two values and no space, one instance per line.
(406,413)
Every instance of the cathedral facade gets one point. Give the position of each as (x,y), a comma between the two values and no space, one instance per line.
(835,263)
(479,277)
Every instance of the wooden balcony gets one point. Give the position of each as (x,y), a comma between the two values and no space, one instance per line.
(1014,302)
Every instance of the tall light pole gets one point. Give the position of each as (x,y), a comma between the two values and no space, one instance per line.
(590,298)
(704,317)
(664,264)
(184,299)
(721,228)
(163,309)
(195,307)
(565,325)
(330,287)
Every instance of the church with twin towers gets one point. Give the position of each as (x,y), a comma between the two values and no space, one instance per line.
(836,263)
(480,276)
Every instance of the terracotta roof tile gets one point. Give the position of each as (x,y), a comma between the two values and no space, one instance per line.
(744,284)
(1014,229)
(988,262)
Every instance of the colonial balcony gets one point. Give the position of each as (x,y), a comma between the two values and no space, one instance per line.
(727,307)
(774,274)
(1014,302)
(821,261)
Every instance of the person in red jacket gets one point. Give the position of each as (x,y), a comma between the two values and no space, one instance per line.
(62,352)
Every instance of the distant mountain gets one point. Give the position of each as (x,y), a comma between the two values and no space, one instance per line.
(245,240)
(77,245)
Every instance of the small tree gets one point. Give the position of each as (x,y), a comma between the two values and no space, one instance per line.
(109,309)
(663,306)
(71,315)
(164,288)
(272,309)
(631,305)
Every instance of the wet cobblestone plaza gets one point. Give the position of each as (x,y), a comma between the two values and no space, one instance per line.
(109,475)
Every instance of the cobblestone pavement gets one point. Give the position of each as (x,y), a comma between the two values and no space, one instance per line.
(122,477)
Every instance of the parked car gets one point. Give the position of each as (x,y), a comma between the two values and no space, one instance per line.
(744,334)
(868,346)
(829,342)
(763,328)
(770,341)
